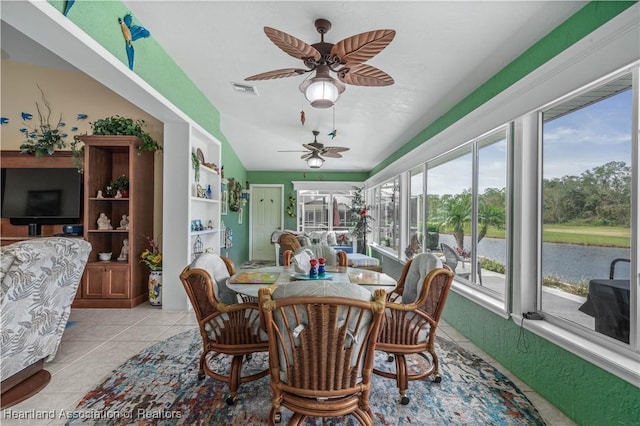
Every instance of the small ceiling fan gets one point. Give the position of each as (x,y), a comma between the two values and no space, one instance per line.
(346,58)
(316,150)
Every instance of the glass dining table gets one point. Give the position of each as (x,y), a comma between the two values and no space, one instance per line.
(248,281)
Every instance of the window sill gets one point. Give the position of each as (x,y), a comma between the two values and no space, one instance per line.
(623,364)
(492,304)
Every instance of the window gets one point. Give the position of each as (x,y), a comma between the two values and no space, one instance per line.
(417,215)
(387,209)
(491,215)
(469,215)
(449,183)
(324,210)
(586,209)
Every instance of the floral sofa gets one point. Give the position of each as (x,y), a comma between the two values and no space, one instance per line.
(38,281)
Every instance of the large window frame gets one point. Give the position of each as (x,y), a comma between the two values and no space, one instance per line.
(522,290)
(632,348)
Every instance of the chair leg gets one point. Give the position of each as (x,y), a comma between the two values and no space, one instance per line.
(364,417)
(234,378)
(402,378)
(436,371)
(201,368)
(296,420)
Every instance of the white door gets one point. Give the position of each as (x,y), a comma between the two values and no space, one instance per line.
(266,217)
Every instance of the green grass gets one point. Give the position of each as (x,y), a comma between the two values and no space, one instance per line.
(606,236)
(603,236)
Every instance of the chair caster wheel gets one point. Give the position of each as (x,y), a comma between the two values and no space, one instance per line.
(201,376)
(437,379)
(390,358)
(231,401)
(404,400)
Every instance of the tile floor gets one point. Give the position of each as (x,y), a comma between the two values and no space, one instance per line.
(102,339)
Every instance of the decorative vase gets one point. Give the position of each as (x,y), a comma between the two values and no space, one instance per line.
(155,288)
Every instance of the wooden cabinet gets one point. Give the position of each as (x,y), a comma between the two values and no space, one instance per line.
(106,282)
(116,283)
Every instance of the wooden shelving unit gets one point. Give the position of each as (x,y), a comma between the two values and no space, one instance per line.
(116,283)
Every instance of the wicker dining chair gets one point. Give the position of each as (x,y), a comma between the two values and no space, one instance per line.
(226,328)
(321,347)
(411,319)
(341,257)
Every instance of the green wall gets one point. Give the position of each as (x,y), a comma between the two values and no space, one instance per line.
(99,19)
(585,393)
(285,178)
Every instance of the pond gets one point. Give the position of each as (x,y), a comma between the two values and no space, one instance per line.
(569,262)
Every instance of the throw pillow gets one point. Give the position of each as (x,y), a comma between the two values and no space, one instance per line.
(420,267)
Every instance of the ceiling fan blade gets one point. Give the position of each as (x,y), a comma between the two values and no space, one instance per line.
(270,75)
(331,154)
(292,45)
(362,47)
(364,75)
(314,146)
(307,155)
(327,149)
(297,150)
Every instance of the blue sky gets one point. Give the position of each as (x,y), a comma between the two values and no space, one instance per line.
(589,137)
(574,143)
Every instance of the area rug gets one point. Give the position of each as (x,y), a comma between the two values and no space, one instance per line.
(159,386)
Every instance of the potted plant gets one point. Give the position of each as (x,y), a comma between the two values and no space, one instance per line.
(44,138)
(117,125)
(121,184)
(360,215)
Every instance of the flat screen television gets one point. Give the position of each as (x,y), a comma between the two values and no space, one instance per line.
(41,196)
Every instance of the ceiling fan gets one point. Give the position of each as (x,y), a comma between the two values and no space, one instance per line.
(316,150)
(346,58)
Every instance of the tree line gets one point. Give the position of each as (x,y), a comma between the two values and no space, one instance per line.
(600,196)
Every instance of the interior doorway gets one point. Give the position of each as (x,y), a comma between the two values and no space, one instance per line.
(266,216)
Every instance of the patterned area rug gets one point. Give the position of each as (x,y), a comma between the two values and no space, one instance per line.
(159,386)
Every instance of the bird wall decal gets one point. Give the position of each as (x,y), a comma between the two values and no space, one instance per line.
(67,7)
(131,33)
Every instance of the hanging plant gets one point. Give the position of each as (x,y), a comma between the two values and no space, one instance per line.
(235,195)
(291,207)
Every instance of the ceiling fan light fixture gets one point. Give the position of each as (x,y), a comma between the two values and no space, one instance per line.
(322,91)
(315,161)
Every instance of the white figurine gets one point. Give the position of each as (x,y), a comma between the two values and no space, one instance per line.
(124,254)
(118,194)
(124,223)
(99,194)
(104,223)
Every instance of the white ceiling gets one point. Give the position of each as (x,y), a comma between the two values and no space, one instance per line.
(442,51)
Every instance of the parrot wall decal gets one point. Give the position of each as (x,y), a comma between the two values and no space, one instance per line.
(67,7)
(131,33)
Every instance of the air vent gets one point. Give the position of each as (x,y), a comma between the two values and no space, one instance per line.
(244,88)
